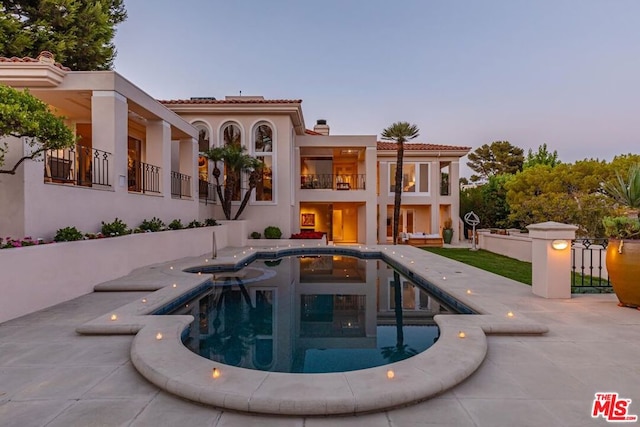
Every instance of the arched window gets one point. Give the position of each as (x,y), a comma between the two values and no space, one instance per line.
(204,142)
(232,135)
(263,148)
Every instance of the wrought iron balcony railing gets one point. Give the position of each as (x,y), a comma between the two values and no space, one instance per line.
(180,185)
(143,177)
(77,165)
(206,191)
(333,182)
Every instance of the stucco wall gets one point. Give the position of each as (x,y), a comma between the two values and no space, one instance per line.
(37,277)
(513,246)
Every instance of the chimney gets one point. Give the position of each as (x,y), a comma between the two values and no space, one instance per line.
(321,127)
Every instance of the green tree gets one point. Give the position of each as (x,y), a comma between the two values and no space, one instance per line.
(400,132)
(489,202)
(236,163)
(541,157)
(78,32)
(499,157)
(25,117)
(568,193)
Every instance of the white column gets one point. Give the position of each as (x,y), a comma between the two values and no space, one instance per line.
(551,262)
(188,162)
(371,196)
(158,152)
(454,191)
(110,130)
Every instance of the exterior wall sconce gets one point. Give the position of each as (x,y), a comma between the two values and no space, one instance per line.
(560,245)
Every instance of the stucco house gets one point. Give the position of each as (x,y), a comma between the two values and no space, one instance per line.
(138,157)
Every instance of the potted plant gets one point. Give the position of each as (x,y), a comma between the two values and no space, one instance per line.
(447,230)
(623,249)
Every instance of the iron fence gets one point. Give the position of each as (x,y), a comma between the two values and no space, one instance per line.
(206,191)
(180,184)
(78,165)
(328,181)
(143,177)
(588,268)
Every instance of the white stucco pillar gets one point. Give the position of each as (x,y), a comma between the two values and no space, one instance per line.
(188,160)
(551,262)
(158,152)
(371,207)
(454,191)
(110,130)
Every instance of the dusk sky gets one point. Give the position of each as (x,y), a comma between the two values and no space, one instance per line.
(565,73)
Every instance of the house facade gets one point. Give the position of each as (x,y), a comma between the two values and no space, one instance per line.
(134,158)
(138,158)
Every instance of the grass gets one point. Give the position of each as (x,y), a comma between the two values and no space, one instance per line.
(514,269)
(519,271)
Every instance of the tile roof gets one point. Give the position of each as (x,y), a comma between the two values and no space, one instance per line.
(229,101)
(418,146)
(312,132)
(45,57)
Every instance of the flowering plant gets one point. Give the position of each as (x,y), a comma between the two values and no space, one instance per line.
(8,242)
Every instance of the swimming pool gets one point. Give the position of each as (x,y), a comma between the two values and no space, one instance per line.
(311,314)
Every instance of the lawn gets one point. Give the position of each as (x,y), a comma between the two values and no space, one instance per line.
(504,266)
(519,271)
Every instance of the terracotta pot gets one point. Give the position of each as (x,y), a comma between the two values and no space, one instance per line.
(623,264)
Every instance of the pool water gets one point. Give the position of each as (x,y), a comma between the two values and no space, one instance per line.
(312,314)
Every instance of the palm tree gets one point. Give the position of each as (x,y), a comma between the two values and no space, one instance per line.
(236,162)
(400,132)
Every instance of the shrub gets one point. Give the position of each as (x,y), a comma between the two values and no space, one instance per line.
(210,222)
(115,228)
(68,234)
(194,224)
(152,225)
(255,235)
(272,232)
(176,224)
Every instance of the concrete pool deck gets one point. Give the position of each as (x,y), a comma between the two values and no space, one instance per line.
(51,376)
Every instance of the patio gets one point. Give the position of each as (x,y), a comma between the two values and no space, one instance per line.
(51,376)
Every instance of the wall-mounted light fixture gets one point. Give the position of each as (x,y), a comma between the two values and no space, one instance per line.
(560,244)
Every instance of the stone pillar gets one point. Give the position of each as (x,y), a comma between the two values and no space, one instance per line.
(551,263)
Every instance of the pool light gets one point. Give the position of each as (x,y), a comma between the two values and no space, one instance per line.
(215,373)
(510,314)
(175,285)
(158,336)
(144,300)
(390,374)
(114,317)
(461,334)
(468,291)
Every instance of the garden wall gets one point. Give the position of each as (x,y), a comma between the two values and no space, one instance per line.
(36,277)
(516,246)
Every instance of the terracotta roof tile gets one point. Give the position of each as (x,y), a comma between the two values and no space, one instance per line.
(34,60)
(229,101)
(312,132)
(418,146)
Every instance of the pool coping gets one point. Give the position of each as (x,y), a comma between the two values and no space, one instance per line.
(158,354)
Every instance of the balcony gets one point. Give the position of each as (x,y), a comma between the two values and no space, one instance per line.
(206,191)
(78,165)
(143,177)
(333,182)
(180,185)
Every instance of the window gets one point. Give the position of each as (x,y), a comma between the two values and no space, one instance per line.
(263,149)
(232,135)
(415,177)
(203,145)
